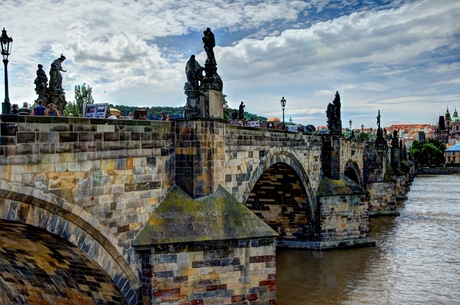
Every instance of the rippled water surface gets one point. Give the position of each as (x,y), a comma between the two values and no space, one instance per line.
(416,260)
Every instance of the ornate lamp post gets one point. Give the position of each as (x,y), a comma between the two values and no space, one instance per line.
(362,128)
(7,44)
(350,122)
(283,104)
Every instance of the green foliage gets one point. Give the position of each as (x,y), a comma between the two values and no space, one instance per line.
(83,95)
(247,116)
(361,136)
(428,152)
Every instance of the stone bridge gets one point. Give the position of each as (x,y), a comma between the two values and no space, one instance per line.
(93,186)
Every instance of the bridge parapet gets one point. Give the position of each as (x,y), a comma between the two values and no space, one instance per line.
(115,170)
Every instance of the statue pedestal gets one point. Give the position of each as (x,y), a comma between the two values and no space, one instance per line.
(206,103)
(214,104)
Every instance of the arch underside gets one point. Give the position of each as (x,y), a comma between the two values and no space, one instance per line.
(37,267)
(279,198)
(352,172)
(31,206)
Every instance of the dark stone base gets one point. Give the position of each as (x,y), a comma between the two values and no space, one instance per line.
(383,213)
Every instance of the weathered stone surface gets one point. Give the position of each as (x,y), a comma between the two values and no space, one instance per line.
(36,266)
(180,219)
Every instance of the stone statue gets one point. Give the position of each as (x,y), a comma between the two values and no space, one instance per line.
(194,73)
(56,76)
(41,81)
(333,114)
(337,106)
(241,111)
(394,140)
(234,114)
(209,44)
(378,120)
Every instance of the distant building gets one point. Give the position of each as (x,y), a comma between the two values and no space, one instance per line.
(455,124)
(452,154)
(408,133)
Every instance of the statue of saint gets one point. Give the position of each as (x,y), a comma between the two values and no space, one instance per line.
(55,75)
(41,81)
(394,140)
(194,73)
(337,105)
(209,44)
(330,115)
(241,111)
(234,114)
(378,120)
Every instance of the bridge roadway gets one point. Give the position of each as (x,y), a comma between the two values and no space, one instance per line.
(95,182)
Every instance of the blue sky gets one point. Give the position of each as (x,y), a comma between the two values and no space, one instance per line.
(399,57)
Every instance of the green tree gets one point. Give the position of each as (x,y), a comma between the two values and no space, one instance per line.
(428,152)
(83,95)
(227,110)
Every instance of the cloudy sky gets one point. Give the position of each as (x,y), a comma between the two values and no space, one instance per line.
(401,57)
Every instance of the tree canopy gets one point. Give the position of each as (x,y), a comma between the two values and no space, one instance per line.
(83,95)
(428,152)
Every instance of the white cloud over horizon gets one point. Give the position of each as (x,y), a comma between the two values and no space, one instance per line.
(399,57)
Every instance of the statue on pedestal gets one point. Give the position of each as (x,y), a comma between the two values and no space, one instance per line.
(194,73)
(241,111)
(394,140)
(200,101)
(41,84)
(56,76)
(209,44)
(51,92)
(333,115)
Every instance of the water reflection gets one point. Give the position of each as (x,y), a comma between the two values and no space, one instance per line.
(416,259)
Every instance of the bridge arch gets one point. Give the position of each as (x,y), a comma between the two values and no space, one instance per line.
(352,171)
(288,158)
(32,206)
(290,209)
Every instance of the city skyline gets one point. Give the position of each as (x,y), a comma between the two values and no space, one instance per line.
(399,57)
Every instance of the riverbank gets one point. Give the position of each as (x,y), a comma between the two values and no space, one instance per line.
(438,171)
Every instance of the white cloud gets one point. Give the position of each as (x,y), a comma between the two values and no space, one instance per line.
(371,56)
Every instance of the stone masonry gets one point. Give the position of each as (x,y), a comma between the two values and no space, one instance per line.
(96,183)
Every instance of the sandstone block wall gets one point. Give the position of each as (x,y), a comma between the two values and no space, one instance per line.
(351,151)
(218,272)
(117,171)
(250,151)
(200,158)
(344,217)
(382,197)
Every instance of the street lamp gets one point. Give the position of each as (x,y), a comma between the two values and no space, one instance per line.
(283,104)
(350,122)
(362,128)
(7,44)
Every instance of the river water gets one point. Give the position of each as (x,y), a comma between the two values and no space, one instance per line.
(416,259)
